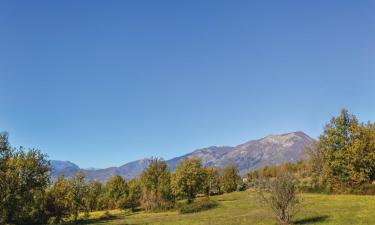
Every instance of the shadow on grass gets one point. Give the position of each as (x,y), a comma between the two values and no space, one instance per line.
(101,220)
(312,220)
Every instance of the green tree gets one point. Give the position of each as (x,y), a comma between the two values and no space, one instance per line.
(156,186)
(25,178)
(5,155)
(212,181)
(95,190)
(117,191)
(189,178)
(77,194)
(58,203)
(344,158)
(345,155)
(230,179)
(134,194)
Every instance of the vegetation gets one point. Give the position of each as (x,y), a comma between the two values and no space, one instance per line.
(280,195)
(156,186)
(58,203)
(230,179)
(24,178)
(343,161)
(345,156)
(242,208)
(198,206)
(188,179)
(117,191)
(212,182)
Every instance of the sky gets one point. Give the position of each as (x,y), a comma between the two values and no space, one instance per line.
(102,83)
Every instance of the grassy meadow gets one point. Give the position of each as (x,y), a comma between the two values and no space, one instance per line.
(242,208)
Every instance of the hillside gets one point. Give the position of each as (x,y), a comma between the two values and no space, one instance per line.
(243,208)
(270,150)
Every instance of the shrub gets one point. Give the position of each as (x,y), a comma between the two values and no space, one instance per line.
(197,206)
(364,189)
(280,195)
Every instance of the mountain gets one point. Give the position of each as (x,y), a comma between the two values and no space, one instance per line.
(207,155)
(128,171)
(270,150)
(63,167)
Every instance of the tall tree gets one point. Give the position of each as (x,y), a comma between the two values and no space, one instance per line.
(58,203)
(95,190)
(156,186)
(117,190)
(5,155)
(77,194)
(345,155)
(24,180)
(134,194)
(189,178)
(230,179)
(212,181)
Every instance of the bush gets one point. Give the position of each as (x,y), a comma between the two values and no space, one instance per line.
(280,195)
(364,189)
(307,185)
(197,206)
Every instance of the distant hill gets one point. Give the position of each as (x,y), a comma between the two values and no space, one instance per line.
(270,150)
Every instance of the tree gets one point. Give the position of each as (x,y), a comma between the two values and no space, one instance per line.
(337,136)
(58,203)
(345,155)
(230,179)
(156,186)
(77,193)
(24,180)
(212,181)
(5,155)
(95,190)
(315,162)
(280,194)
(189,178)
(134,194)
(117,191)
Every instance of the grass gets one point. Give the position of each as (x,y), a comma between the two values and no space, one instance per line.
(241,208)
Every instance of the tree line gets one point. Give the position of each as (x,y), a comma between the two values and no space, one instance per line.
(29,197)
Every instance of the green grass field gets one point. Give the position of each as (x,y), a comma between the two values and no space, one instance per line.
(242,208)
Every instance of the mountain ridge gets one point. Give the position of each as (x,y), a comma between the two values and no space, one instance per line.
(270,150)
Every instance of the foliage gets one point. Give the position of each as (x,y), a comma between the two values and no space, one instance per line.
(24,177)
(58,203)
(280,194)
(242,208)
(230,179)
(95,190)
(188,178)
(345,156)
(156,186)
(117,191)
(77,194)
(134,194)
(212,181)
(197,206)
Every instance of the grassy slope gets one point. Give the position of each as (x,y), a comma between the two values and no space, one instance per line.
(242,208)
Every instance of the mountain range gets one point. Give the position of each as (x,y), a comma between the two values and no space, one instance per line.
(270,150)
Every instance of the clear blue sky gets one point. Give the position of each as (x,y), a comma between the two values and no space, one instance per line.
(101,83)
